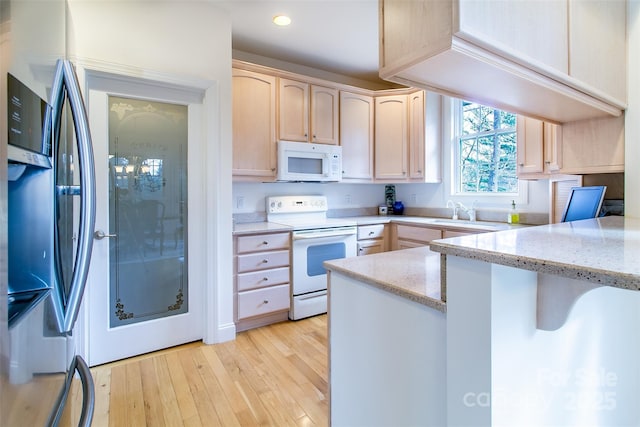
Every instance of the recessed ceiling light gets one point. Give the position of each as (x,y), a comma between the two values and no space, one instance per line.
(281,20)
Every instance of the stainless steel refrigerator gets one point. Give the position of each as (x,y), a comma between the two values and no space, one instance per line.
(47,205)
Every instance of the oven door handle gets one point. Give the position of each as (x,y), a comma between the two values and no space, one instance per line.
(329,232)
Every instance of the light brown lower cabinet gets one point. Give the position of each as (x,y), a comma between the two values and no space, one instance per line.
(412,236)
(262,278)
(372,239)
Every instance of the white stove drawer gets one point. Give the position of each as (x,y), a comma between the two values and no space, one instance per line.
(260,279)
(263,301)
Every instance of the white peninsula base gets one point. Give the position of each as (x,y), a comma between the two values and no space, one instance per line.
(503,370)
(387,357)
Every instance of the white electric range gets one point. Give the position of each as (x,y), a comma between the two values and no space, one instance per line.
(316,239)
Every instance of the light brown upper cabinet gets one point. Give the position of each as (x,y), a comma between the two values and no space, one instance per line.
(308,113)
(408,139)
(586,147)
(254,125)
(539,148)
(561,60)
(391,138)
(417,114)
(593,146)
(356,136)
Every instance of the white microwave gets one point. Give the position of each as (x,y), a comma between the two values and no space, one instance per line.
(304,161)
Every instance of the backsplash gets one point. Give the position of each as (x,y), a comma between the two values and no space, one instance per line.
(363,200)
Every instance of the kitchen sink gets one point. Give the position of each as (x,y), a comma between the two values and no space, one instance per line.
(472,224)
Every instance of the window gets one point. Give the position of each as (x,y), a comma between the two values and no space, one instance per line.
(485,155)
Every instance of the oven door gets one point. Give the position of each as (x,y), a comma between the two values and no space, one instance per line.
(311,248)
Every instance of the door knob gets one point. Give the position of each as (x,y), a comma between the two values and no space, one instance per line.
(99,235)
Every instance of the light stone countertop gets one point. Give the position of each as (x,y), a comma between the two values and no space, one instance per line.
(413,274)
(605,251)
(254,227)
(259,227)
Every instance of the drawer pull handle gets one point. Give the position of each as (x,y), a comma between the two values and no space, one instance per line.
(265,301)
(265,261)
(371,233)
(265,279)
(264,242)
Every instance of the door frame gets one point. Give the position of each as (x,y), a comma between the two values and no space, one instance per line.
(209,188)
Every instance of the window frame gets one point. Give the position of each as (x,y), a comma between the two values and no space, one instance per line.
(489,198)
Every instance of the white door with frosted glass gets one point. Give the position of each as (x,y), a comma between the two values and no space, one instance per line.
(141,296)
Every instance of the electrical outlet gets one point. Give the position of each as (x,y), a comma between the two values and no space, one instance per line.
(240,202)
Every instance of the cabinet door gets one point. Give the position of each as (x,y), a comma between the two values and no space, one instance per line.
(409,236)
(391,138)
(552,147)
(452,233)
(254,124)
(593,146)
(408,244)
(368,247)
(324,115)
(294,110)
(416,135)
(597,40)
(530,146)
(529,31)
(356,135)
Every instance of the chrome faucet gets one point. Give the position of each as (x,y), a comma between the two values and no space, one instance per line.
(452,205)
(469,211)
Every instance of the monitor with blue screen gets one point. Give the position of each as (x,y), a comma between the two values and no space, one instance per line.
(584,203)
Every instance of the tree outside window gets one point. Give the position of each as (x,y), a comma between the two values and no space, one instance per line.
(486,151)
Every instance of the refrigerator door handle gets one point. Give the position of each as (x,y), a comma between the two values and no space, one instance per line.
(88,394)
(66,83)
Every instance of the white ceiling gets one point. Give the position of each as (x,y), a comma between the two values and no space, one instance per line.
(338,36)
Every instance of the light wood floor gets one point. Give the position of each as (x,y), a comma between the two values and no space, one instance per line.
(270,376)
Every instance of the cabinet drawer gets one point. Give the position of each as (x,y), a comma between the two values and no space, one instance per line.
(422,234)
(374,231)
(262,242)
(263,301)
(262,261)
(260,279)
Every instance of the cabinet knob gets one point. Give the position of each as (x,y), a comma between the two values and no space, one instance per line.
(265,279)
(265,301)
(371,233)
(265,261)
(521,164)
(264,242)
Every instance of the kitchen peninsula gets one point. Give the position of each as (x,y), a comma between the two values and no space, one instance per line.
(540,327)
